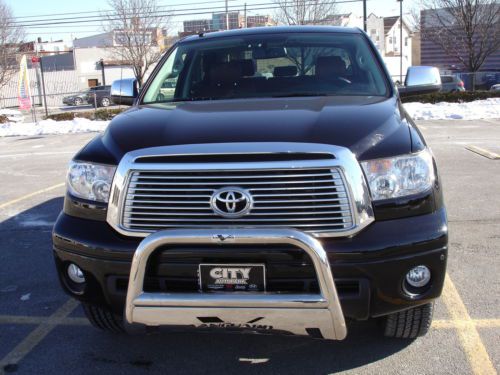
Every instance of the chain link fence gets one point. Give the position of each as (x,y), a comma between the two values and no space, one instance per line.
(53,91)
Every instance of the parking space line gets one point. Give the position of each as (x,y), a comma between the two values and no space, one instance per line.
(17,200)
(472,344)
(22,319)
(469,337)
(32,154)
(459,324)
(37,335)
(483,152)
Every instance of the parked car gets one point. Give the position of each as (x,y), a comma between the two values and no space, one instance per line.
(268,203)
(452,83)
(77,99)
(491,79)
(99,96)
(12,115)
(495,87)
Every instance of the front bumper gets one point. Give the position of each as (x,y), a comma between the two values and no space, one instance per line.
(300,314)
(369,268)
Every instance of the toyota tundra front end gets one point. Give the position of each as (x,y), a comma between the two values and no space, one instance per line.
(279,186)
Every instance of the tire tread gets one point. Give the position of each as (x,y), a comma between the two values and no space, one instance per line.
(409,324)
(103,319)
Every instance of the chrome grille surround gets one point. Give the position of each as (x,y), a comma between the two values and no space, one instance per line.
(324,198)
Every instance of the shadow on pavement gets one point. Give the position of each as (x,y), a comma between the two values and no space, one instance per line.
(27,268)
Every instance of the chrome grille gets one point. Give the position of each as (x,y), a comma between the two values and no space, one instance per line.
(313,200)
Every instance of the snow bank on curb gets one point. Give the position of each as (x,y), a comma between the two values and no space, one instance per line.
(78,125)
(479,109)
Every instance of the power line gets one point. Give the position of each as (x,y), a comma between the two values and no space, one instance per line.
(105,13)
(110,10)
(188,12)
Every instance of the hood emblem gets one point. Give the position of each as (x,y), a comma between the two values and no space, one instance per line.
(231,202)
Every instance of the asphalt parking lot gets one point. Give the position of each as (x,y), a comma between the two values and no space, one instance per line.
(42,331)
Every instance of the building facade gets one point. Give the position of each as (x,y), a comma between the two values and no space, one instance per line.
(385,34)
(435,55)
(219,22)
(98,53)
(197,26)
(259,21)
(47,48)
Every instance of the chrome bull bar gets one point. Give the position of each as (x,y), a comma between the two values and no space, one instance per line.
(297,313)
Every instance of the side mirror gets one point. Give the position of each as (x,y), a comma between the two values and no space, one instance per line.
(421,80)
(124,91)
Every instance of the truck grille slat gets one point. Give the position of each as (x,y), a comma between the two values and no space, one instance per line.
(145,185)
(313,199)
(178,176)
(329,227)
(156,214)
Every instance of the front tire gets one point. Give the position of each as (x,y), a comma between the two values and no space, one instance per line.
(103,319)
(78,102)
(409,324)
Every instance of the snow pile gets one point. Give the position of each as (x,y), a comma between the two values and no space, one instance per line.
(78,125)
(479,109)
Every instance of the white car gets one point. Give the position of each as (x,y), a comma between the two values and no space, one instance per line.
(12,115)
(495,87)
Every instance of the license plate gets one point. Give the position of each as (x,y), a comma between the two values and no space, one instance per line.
(232,277)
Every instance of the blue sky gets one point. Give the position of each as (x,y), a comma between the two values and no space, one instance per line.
(45,8)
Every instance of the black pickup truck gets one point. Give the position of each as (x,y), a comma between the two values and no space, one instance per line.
(276,185)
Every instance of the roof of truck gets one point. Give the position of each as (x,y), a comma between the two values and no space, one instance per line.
(273,30)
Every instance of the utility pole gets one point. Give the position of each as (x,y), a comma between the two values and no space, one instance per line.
(101,63)
(245,15)
(37,61)
(365,27)
(227,16)
(400,41)
(43,89)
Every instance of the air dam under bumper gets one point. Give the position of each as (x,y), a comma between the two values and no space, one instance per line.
(300,314)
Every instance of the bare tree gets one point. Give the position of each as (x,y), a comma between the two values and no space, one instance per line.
(467,30)
(305,12)
(11,36)
(137,28)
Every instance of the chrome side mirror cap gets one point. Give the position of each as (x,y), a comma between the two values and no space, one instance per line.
(421,80)
(124,91)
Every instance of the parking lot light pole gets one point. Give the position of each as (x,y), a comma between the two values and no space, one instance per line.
(400,41)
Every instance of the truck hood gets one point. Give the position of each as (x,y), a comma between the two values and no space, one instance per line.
(371,127)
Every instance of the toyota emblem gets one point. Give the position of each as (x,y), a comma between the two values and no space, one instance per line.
(231,202)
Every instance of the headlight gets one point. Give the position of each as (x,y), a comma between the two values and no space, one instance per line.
(90,181)
(399,176)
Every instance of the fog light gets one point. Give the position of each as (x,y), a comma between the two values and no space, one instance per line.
(418,277)
(75,274)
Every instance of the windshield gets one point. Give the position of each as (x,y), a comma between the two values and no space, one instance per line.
(273,65)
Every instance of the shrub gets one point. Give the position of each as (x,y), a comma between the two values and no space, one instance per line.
(3,119)
(452,97)
(65,116)
(100,114)
(107,114)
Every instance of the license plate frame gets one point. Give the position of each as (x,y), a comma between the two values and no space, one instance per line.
(256,281)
